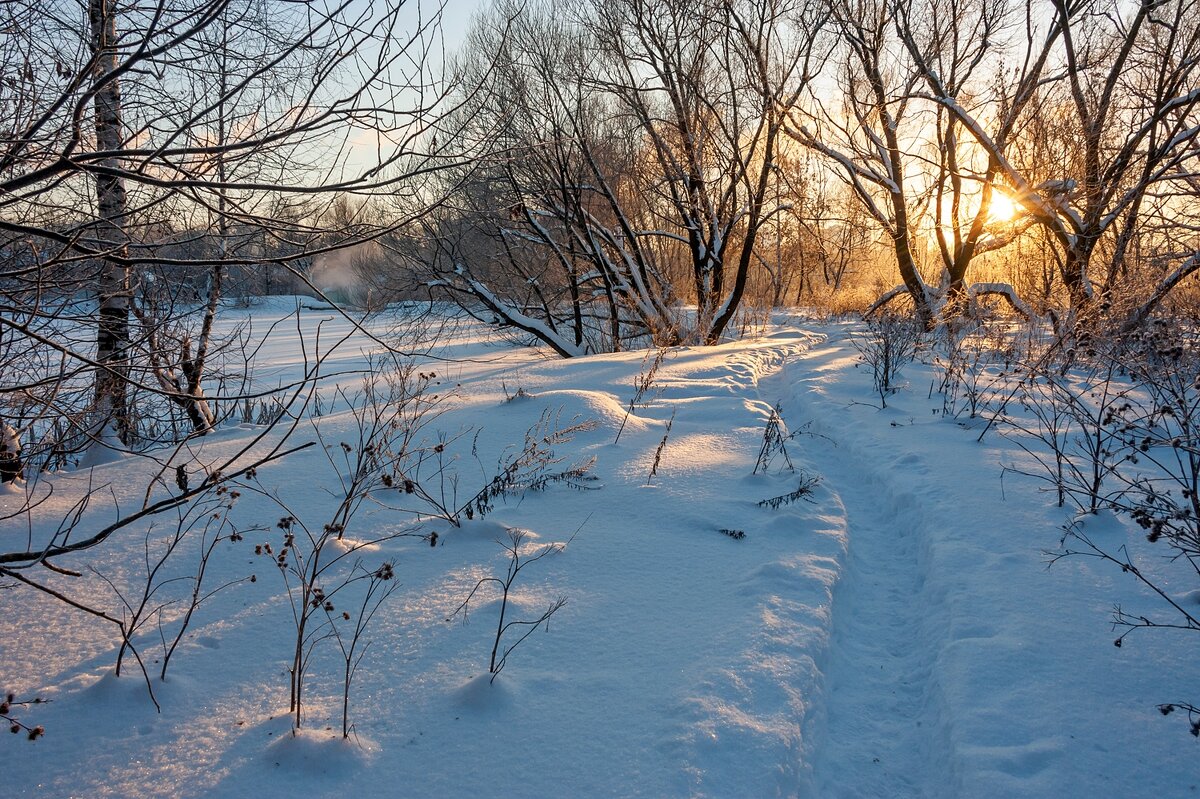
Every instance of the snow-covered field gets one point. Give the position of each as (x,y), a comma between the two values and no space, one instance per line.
(899,635)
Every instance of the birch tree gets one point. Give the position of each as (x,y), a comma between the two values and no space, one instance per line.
(111,422)
(114,151)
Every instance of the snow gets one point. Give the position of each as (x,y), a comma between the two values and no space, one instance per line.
(898,636)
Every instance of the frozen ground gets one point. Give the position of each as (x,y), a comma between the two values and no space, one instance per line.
(898,636)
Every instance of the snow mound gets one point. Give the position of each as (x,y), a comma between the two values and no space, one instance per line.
(481,696)
(318,753)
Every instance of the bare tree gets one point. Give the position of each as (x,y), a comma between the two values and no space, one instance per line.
(213,121)
(146,150)
(112,327)
(642,140)
(868,144)
(1121,87)
(953,47)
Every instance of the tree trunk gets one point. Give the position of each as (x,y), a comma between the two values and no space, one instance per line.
(112,325)
(908,268)
(1075,278)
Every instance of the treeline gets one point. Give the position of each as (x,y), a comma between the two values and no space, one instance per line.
(647,156)
(598,175)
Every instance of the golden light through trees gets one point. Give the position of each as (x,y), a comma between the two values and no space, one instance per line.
(1002,208)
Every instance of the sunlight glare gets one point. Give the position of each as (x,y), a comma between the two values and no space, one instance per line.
(1002,209)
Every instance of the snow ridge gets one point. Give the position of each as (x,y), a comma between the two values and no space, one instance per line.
(742,719)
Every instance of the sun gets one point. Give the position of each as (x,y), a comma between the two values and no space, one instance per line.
(1002,208)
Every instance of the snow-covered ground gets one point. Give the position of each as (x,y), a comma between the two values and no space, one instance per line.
(899,635)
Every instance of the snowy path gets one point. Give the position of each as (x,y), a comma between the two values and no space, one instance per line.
(958,665)
(881,725)
(883,733)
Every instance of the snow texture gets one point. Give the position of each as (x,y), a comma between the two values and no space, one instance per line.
(899,635)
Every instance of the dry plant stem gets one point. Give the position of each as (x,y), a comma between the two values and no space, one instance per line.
(775,437)
(380,586)
(15,724)
(641,384)
(206,512)
(1126,565)
(965,374)
(11,561)
(1053,431)
(500,649)
(530,468)
(1140,411)
(392,408)
(803,491)
(659,450)
(198,596)
(889,345)
(1075,424)
(99,614)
